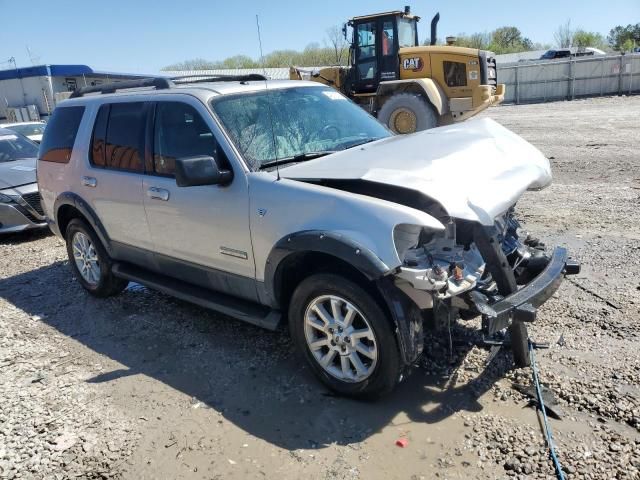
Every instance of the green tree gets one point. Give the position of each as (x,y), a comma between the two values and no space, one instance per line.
(627,46)
(475,40)
(619,35)
(239,61)
(194,64)
(582,39)
(509,40)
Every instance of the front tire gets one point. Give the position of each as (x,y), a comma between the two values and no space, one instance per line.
(90,262)
(407,113)
(345,336)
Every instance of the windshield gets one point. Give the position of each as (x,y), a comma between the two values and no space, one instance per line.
(28,129)
(13,147)
(549,54)
(273,124)
(406,32)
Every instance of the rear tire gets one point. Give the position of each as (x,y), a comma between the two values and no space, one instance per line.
(407,113)
(520,344)
(360,349)
(90,262)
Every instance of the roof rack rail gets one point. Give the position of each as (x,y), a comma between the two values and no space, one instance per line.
(250,77)
(159,83)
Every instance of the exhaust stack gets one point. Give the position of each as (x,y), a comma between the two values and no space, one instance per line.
(434,28)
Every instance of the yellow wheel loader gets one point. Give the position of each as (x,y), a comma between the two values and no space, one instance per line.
(407,86)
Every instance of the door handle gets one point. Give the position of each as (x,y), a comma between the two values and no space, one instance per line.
(89,182)
(158,193)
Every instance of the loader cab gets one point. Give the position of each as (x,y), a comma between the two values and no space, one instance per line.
(375,44)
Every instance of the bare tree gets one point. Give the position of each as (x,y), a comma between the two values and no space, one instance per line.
(337,43)
(564,35)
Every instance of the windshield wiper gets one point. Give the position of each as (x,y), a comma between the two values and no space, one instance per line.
(362,141)
(295,158)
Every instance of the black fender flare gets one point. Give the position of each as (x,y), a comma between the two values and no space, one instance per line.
(405,315)
(74,200)
(319,241)
(407,319)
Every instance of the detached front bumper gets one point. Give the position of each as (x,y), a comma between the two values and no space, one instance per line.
(521,306)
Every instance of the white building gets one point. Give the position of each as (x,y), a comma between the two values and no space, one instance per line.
(45,85)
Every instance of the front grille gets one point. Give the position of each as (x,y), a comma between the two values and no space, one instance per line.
(33,199)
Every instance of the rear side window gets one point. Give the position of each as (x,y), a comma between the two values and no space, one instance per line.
(455,74)
(60,134)
(118,137)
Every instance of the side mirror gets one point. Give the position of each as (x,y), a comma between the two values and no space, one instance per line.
(344,30)
(200,170)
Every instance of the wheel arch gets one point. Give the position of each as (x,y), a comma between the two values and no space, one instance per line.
(300,255)
(68,206)
(425,87)
(303,253)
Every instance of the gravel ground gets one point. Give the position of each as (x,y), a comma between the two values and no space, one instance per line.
(145,386)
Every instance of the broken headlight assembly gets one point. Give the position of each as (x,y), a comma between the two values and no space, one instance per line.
(434,262)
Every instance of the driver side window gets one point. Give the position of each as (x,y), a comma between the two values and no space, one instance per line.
(179,131)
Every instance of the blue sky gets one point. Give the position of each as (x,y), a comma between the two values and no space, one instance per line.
(143,36)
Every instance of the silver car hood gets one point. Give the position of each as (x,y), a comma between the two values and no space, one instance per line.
(17,172)
(476,169)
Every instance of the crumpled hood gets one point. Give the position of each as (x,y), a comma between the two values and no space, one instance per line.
(476,169)
(18,172)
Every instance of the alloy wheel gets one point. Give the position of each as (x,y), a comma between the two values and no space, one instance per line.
(340,338)
(86,258)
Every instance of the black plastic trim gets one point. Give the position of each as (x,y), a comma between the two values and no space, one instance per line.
(159,83)
(318,241)
(488,243)
(253,313)
(407,319)
(522,304)
(74,200)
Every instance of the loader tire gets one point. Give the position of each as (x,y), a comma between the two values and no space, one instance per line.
(407,113)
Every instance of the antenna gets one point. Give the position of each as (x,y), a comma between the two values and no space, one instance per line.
(266,87)
(34,58)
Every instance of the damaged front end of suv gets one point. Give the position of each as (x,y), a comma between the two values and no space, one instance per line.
(497,272)
(479,262)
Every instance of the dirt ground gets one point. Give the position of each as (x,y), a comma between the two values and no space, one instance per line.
(143,386)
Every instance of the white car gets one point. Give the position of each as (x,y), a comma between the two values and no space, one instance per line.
(32,130)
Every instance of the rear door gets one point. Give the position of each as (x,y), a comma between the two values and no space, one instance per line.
(200,234)
(112,184)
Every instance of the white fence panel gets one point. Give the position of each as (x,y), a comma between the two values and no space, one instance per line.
(564,80)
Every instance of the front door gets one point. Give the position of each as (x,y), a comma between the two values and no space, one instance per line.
(201,234)
(376,53)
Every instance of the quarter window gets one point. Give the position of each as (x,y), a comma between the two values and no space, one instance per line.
(60,134)
(179,131)
(455,74)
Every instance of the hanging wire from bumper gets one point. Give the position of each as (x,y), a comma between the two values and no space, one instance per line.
(547,427)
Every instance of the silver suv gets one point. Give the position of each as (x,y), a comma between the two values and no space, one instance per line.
(267,200)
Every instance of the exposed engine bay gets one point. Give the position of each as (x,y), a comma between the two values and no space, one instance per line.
(441,267)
